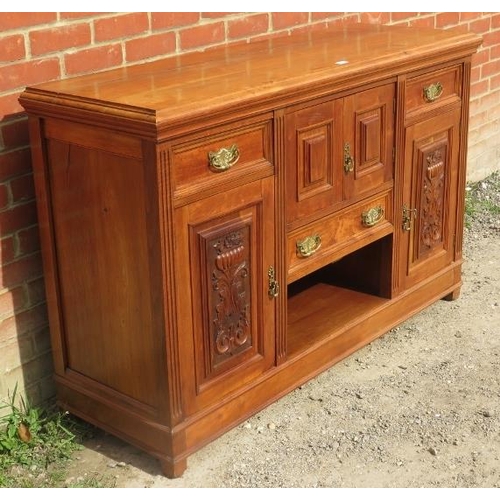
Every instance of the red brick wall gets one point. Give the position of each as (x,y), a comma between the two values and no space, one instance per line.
(40,46)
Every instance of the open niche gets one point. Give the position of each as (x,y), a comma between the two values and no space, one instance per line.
(333,299)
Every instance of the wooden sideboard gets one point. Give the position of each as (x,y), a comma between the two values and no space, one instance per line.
(217,228)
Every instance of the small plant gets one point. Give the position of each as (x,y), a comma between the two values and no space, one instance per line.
(482,199)
(34,446)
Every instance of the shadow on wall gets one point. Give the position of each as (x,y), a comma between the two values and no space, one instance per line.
(26,358)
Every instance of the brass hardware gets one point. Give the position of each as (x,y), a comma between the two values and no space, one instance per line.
(224,159)
(433,92)
(373,216)
(408,213)
(308,246)
(274,287)
(348,159)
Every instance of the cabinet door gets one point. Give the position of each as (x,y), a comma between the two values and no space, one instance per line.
(338,151)
(312,159)
(225,313)
(429,196)
(368,140)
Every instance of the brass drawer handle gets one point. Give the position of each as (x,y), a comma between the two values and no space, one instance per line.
(433,92)
(308,246)
(371,217)
(223,159)
(348,159)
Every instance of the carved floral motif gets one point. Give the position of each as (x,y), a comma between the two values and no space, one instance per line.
(230,282)
(433,199)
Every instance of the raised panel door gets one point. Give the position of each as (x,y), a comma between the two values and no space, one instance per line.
(312,159)
(368,140)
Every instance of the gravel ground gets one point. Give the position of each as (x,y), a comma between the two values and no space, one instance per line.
(419,407)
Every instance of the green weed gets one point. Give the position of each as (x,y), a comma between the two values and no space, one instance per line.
(482,199)
(35,446)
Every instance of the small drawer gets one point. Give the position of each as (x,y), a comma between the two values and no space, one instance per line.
(332,237)
(206,164)
(434,89)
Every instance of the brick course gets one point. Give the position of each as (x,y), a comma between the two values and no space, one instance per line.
(42,46)
(11,48)
(50,40)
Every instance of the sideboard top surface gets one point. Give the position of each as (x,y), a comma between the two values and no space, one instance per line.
(193,84)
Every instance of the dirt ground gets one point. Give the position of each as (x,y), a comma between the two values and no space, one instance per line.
(419,407)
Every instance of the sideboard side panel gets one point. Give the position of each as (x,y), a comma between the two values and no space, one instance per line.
(98,201)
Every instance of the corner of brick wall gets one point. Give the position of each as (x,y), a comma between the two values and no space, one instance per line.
(41,46)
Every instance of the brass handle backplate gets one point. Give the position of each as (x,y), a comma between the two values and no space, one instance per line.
(348,159)
(224,159)
(408,213)
(373,216)
(274,287)
(433,92)
(308,246)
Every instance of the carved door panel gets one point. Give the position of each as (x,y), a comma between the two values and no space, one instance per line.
(368,140)
(224,255)
(430,196)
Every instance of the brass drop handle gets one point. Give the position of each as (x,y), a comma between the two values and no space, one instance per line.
(348,159)
(371,217)
(273,286)
(433,92)
(224,159)
(408,213)
(308,246)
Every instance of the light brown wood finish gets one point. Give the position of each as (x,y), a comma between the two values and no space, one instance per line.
(172,197)
(337,235)
(168,91)
(432,148)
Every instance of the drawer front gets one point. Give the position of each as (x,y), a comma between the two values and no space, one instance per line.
(330,238)
(206,164)
(434,89)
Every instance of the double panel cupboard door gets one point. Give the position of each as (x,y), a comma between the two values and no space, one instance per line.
(338,151)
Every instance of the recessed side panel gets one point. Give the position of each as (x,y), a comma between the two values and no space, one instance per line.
(101,242)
